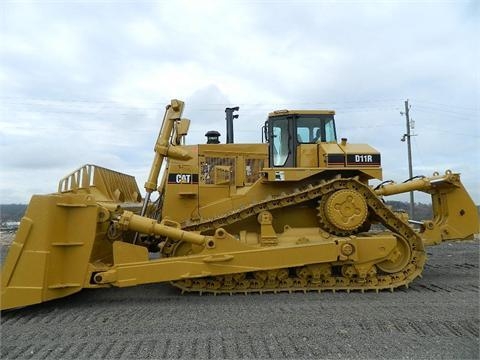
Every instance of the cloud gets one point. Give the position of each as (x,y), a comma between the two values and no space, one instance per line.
(80,84)
(145,33)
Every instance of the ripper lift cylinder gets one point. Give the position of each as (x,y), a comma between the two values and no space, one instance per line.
(173,112)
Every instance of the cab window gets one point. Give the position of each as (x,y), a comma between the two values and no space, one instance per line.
(313,129)
(330,130)
(280,142)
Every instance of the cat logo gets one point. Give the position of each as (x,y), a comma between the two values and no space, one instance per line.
(183,178)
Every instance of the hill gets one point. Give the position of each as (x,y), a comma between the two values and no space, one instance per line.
(11,212)
(422,211)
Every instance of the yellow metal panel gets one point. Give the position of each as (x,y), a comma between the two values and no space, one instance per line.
(358,149)
(221,150)
(208,206)
(307,155)
(124,253)
(290,174)
(301,112)
(240,171)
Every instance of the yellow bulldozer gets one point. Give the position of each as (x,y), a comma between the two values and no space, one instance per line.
(293,213)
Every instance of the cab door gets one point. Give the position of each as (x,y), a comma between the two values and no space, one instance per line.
(282,142)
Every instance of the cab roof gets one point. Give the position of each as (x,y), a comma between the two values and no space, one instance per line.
(300,112)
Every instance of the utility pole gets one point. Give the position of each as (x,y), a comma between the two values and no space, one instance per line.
(409,146)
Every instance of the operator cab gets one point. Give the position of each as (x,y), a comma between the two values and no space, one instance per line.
(286,131)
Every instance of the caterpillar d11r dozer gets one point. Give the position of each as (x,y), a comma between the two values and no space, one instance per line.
(293,213)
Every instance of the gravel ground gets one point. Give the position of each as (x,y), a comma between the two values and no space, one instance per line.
(436,318)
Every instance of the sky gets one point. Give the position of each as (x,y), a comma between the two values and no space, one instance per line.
(87,81)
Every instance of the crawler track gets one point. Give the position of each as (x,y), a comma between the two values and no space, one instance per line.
(338,277)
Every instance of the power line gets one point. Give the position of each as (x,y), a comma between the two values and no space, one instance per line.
(449,112)
(450,106)
(158,104)
(122,110)
(343,106)
(450,132)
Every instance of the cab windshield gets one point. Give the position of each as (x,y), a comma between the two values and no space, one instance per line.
(313,129)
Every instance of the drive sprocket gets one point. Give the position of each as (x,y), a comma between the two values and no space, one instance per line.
(343,212)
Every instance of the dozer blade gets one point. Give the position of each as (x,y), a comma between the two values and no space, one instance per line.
(50,254)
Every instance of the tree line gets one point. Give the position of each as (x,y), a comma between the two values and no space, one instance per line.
(12,212)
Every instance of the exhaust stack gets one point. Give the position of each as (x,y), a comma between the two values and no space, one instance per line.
(229,116)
